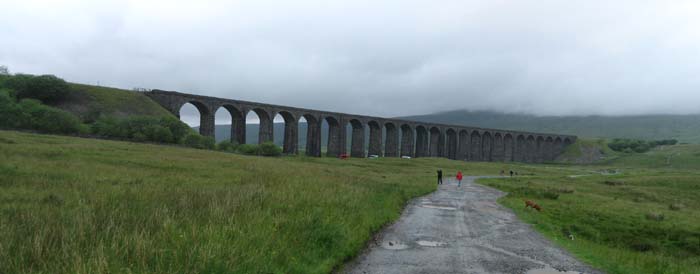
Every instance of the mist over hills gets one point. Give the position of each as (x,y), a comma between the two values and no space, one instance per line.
(685,128)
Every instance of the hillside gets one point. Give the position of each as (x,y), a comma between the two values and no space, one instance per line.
(685,128)
(89,102)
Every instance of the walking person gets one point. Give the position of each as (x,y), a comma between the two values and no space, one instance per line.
(439,176)
(459,178)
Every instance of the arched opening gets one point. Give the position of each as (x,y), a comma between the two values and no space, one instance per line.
(407,140)
(334,143)
(375,138)
(508,147)
(252,127)
(539,150)
(391,143)
(558,147)
(463,145)
(309,136)
(520,149)
(531,149)
(452,143)
(198,116)
(435,136)
(475,154)
(422,144)
(498,149)
(356,142)
(549,149)
(486,147)
(289,139)
(567,142)
(230,124)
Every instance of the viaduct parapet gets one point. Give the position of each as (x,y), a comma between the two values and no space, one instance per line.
(387,137)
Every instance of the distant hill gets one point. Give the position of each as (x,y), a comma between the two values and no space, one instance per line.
(685,128)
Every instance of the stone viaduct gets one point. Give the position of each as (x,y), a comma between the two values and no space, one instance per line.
(387,137)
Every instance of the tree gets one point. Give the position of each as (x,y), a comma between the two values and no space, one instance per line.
(4,70)
(46,88)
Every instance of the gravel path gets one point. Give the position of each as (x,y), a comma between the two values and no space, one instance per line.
(462,230)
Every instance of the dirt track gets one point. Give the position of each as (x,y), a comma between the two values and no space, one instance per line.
(462,230)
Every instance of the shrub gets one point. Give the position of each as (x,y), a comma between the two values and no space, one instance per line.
(50,120)
(227,146)
(270,149)
(142,128)
(46,88)
(249,149)
(177,127)
(638,146)
(195,140)
(11,115)
(158,133)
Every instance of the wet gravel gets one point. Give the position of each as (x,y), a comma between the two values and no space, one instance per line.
(462,230)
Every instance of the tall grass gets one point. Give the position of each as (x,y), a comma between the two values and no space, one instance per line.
(71,205)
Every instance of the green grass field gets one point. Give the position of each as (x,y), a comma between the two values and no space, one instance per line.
(642,218)
(73,205)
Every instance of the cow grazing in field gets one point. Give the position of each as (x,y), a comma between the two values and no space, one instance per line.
(532,204)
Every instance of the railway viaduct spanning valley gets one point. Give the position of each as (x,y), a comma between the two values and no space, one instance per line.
(387,137)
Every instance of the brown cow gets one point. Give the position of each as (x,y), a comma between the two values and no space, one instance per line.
(532,204)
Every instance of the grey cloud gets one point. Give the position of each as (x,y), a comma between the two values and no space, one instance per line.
(385,58)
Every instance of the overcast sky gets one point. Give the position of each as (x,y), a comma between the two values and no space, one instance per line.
(386,58)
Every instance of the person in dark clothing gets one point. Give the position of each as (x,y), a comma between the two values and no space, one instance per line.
(511,173)
(439,175)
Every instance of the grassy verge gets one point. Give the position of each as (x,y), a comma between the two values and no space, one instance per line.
(644,220)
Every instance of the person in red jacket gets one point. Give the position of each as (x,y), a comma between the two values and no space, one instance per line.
(459,178)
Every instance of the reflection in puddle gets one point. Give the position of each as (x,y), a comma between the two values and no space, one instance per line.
(438,207)
(431,243)
(550,270)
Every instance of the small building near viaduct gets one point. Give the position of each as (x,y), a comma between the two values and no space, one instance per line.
(387,137)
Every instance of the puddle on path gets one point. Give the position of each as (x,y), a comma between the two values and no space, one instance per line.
(550,270)
(394,245)
(431,243)
(438,207)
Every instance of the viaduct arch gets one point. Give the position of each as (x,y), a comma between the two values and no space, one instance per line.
(386,137)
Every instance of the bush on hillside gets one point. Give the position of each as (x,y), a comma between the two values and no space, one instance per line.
(142,129)
(11,114)
(264,149)
(50,120)
(249,149)
(195,140)
(227,146)
(45,88)
(31,114)
(638,146)
(270,149)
